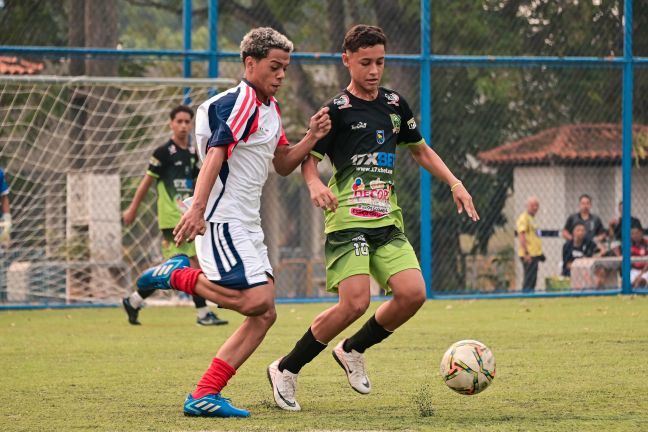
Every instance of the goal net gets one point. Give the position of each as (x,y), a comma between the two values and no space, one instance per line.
(74,150)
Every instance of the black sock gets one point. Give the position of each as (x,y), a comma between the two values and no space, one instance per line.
(199,301)
(369,335)
(306,349)
(145,293)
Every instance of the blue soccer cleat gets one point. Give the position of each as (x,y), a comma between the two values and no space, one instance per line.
(159,277)
(212,405)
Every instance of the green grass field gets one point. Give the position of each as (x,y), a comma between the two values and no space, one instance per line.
(578,364)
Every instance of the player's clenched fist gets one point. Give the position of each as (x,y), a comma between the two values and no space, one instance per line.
(322,197)
(320,123)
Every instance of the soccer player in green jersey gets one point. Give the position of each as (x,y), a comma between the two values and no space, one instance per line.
(364,224)
(174,165)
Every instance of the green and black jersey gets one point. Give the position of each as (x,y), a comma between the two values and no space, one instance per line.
(176,170)
(362,147)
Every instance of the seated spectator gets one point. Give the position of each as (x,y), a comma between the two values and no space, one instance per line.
(593,226)
(616,223)
(578,247)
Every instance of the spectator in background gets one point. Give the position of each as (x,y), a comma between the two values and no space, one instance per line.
(593,225)
(530,251)
(638,248)
(5,210)
(615,224)
(578,247)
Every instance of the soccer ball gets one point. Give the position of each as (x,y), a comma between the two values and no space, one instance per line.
(468,367)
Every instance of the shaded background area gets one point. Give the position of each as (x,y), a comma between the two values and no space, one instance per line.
(508,132)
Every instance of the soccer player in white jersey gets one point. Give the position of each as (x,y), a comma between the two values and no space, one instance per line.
(238,133)
(364,224)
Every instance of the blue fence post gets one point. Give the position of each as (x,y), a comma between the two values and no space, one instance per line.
(186,25)
(626,161)
(426,128)
(212,70)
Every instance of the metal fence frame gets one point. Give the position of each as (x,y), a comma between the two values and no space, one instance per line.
(426,61)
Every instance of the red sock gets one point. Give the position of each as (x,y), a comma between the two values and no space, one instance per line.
(214,379)
(185,279)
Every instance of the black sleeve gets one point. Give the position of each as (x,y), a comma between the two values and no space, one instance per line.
(409,133)
(323,146)
(159,161)
(569,223)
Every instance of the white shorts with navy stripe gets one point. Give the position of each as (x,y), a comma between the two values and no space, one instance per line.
(232,256)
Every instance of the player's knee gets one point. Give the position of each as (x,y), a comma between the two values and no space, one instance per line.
(257,306)
(356,308)
(411,300)
(269,316)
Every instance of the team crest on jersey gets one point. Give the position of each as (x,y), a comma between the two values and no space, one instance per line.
(172,149)
(396,122)
(342,102)
(392,98)
(411,123)
(380,136)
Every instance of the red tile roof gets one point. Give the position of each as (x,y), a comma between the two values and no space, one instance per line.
(586,142)
(16,66)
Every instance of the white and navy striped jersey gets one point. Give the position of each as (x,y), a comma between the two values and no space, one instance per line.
(251,130)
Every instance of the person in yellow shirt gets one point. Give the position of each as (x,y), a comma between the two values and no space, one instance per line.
(530,250)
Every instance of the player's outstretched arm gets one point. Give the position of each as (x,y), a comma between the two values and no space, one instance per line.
(130,213)
(320,194)
(428,159)
(287,158)
(192,222)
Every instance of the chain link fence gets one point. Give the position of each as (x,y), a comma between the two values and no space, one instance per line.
(510,129)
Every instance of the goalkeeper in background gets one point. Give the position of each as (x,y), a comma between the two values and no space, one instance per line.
(174,165)
(5,213)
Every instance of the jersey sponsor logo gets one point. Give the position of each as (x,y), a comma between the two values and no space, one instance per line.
(342,102)
(411,123)
(183,185)
(381,159)
(178,163)
(367,214)
(392,98)
(380,136)
(359,125)
(396,122)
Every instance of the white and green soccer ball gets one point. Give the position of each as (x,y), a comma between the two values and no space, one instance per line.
(468,367)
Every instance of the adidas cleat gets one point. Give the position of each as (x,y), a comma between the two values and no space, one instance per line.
(354,366)
(284,387)
(212,405)
(159,277)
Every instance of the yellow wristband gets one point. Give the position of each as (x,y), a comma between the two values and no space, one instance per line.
(455,186)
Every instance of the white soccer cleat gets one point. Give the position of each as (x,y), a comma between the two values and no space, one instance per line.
(284,387)
(354,366)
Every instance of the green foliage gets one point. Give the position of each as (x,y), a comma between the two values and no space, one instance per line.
(33,22)
(87,369)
